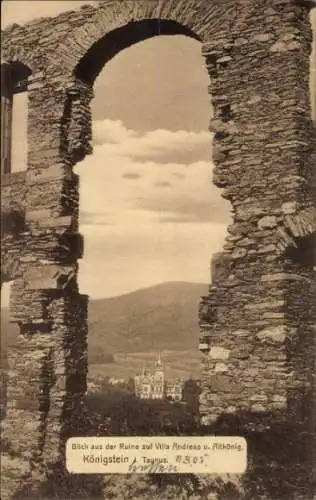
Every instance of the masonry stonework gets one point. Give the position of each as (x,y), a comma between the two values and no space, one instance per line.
(258,320)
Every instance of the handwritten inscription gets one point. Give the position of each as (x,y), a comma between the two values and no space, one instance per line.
(151,466)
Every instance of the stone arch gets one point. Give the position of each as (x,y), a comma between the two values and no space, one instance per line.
(14,79)
(226,39)
(195,18)
(113,27)
(18,57)
(119,39)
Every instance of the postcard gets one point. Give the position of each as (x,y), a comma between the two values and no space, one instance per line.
(158,249)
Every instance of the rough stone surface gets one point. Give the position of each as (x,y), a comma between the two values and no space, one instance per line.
(264,155)
(265,165)
(276,334)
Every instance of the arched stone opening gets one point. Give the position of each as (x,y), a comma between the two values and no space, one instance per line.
(76,121)
(119,39)
(14,80)
(104,190)
(246,257)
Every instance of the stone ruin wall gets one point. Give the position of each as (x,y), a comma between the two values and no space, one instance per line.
(257,327)
(260,310)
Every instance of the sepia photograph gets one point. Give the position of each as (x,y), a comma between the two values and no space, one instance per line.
(158,251)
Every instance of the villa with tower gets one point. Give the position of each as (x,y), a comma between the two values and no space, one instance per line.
(151,383)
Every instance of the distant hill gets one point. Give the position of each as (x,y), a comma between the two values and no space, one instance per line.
(160,317)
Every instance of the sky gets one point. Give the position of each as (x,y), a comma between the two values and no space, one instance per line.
(148,210)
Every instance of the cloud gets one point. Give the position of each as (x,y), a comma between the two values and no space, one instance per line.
(178,208)
(147,214)
(159,145)
(194,200)
(178,175)
(155,195)
(94,218)
(111,132)
(162,184)
(131,175)
(118,257)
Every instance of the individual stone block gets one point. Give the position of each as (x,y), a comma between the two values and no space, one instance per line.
(276,334)
(269,221)
(220,267)
(218,352)
(49,277)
